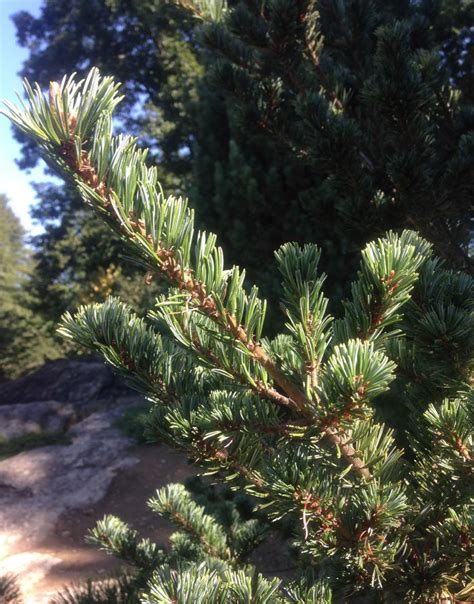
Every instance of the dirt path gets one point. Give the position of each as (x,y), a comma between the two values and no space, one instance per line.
(62,557)
(126,497)
(51,496)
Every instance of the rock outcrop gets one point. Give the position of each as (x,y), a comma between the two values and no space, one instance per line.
(57,395)
(37,486)
(42,416)
(82,398)
(82,381)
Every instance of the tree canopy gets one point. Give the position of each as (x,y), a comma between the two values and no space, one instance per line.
(24,343)
(315,121)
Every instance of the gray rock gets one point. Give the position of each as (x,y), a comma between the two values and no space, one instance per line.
(81,381)
(36,417)
(37,486)
(83,398)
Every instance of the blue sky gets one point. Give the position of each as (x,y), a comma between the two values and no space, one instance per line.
(15,183)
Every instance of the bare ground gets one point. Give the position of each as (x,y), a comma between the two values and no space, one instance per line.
(126,497)
(46,548)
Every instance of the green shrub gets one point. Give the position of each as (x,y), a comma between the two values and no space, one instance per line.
(297,421)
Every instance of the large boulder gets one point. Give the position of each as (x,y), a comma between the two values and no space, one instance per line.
(43,416)
(80,381)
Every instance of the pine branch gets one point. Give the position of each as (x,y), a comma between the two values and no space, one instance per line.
(164,240)
(174,502)
(115,537)
(294,418)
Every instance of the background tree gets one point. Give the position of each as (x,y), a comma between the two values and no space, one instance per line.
(356,114)
(365,104)
(24,343)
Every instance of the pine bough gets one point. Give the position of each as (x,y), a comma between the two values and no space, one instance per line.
(380,509)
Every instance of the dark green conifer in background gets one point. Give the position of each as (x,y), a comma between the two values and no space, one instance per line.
(343,119)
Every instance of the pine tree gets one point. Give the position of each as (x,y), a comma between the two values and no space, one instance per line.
(358,114)
(24,343)
(295,421)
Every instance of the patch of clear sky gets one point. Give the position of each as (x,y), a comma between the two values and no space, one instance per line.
(15,183)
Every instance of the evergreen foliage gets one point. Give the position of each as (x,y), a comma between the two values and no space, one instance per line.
(9,592)
(296,421)
(152,52)
(341,119)
(75,260)
(115,590)
(24,342)
(215,529)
